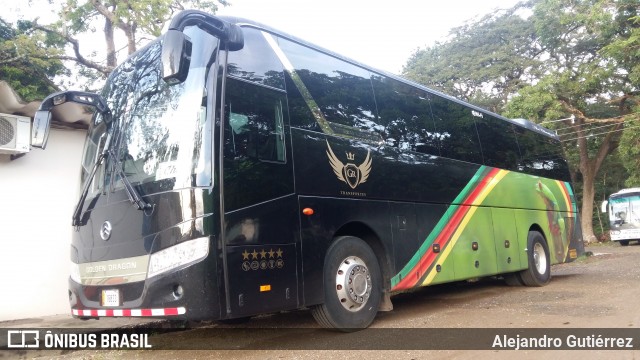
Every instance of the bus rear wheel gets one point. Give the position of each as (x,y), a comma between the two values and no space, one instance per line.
(513,279)
(624,242)
(539,271)
(352,286)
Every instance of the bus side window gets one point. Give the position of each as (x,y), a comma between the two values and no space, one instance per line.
(541,156)
(256,62)
(456,130)
(255,124)
(404,116)
(300,114)
(338,93)
(498,140)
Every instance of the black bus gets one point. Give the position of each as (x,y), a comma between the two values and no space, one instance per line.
(231,170)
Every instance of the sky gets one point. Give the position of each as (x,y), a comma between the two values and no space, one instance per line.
(382,34)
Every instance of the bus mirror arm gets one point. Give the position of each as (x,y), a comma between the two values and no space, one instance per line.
(229,34)
(79,97)
(43,117)
(176,46)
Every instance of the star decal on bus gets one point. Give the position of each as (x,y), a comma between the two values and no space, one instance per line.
(353,175)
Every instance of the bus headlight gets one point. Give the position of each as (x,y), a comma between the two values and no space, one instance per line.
(74,272)
(177,256)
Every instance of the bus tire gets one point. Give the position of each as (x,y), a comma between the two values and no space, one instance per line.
(352,286)
(624,242)
(236,321)
(513,279)
(539,271)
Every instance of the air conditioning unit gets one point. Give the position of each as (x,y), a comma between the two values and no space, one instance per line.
(15,134)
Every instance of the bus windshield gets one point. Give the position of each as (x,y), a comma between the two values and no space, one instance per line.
(161,132)
(625,210)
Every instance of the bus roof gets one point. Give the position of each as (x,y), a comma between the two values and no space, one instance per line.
(527,124)
(625,192)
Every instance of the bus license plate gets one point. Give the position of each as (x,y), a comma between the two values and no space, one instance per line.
(111,297)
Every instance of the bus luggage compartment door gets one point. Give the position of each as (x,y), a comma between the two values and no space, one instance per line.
(262,278)
(506,237)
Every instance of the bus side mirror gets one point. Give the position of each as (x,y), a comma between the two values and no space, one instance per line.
(603,206)
(40,129)
(176,57)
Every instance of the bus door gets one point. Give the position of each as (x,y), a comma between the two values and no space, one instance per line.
(260,208)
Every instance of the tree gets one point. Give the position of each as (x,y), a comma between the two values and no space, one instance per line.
(483,62)
(630,155)
(29,76)
(626,50)
(134,19)
(580,73)
(548,60)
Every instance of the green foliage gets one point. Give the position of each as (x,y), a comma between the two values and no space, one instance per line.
(610,179)
(150,15)
(483,62)
(25,63)
(537,102)
(630,155)
(548,59)
(138,21)
(625,51)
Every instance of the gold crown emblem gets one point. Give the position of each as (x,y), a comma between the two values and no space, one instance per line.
(351,156)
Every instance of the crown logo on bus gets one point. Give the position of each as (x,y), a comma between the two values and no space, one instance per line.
(351,174)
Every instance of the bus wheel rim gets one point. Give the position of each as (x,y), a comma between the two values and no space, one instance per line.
(540,258)
(353,283)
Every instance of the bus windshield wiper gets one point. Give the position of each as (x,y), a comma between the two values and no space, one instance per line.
(77,213)
(132,193)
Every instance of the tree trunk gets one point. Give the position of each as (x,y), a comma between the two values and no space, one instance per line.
(131,40)
(588,194)
(589,168)
(111,46)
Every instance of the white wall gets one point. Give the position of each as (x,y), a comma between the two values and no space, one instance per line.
(38,193)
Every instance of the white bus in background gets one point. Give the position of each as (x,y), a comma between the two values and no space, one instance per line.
(623,208)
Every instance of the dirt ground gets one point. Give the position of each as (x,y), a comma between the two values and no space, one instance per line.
(598,292)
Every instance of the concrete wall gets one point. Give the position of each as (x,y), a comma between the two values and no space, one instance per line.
(38,193)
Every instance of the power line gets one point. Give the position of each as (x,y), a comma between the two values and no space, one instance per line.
(601,120)
(606,132)
(602,126)
(592,128)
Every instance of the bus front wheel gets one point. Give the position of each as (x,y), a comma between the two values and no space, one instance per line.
(352,286)
(539,271)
